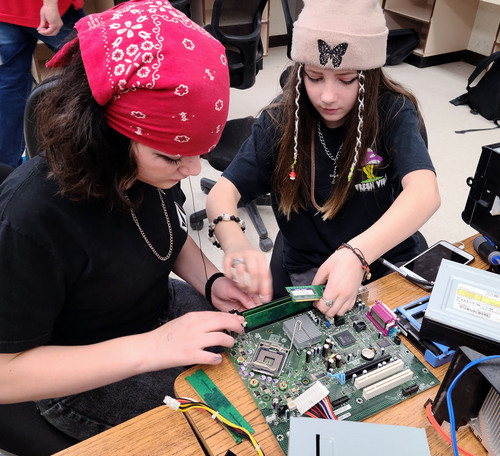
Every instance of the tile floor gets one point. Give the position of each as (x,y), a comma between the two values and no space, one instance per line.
(455,156)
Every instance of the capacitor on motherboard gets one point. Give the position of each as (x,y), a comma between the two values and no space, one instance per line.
(349,357)
(328,341)
(308,356)
(338,361)
(276,403)
(330,364)
(324,351)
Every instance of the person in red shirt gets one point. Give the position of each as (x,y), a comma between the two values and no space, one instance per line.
(22,24)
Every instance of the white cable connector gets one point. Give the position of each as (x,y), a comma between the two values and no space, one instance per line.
(171,402)
(309,398)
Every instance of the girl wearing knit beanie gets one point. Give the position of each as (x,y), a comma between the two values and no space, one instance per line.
(91,325)
(343,153)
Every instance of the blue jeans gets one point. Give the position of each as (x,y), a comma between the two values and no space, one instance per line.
(86,414)
(17,44)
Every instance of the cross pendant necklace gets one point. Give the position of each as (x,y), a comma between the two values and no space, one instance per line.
(335,159)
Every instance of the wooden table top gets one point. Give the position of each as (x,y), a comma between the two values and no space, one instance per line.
(162,431)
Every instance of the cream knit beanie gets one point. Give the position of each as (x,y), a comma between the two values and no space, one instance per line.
(340,34)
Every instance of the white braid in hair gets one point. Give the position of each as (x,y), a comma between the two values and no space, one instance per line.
(361,110)
(292,174)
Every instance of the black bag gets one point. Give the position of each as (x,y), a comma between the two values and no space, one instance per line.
(400,44)
(484,97)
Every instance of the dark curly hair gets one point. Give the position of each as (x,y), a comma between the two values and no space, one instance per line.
(90,160)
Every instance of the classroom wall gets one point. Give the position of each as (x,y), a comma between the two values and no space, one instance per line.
(482,37)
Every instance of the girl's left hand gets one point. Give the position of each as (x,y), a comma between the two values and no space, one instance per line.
(226,296)
(342,273)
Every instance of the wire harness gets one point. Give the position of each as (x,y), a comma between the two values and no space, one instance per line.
(183,404)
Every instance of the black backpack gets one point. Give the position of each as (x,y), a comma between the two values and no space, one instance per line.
(484,97)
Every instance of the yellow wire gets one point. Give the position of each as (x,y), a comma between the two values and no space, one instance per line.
(185,407)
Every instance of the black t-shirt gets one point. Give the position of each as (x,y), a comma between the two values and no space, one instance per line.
(78,273)
(308,240)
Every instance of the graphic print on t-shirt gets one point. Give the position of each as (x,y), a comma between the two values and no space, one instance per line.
(370,165)
(181,215)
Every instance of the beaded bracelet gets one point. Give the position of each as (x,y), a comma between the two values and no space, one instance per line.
(361,257)
(223,218)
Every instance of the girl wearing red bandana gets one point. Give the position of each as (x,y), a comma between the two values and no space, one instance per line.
(91,325)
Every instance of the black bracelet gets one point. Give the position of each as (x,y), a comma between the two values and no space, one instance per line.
(208,286)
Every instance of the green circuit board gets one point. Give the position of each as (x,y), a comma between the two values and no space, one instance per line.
(276,372)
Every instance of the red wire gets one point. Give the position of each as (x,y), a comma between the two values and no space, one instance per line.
(438,428)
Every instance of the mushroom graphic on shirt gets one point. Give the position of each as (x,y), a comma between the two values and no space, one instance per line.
(370,161)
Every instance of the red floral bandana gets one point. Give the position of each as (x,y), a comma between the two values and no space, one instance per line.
(163,79)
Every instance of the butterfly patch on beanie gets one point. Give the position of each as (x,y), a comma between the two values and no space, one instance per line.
(335,53)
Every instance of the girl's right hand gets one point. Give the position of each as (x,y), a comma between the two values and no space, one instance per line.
(182,341)
(249,268)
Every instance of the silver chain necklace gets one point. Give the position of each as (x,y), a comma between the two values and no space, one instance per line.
(136,221)
(335,159)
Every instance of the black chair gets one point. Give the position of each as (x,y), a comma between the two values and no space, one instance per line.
(219,159)
(237,25)
(183,6)
(291,10)
(30,130)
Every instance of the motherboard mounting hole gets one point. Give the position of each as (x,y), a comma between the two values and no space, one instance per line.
(359,400)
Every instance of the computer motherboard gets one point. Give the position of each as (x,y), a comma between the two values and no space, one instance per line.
(290,357)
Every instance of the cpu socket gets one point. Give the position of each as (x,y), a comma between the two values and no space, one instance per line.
(269,359)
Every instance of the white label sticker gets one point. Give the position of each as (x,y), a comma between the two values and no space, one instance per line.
(479,302)
(342,409)
(344,417)
(302,292)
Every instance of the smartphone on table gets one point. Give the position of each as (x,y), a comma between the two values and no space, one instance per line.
(424,267)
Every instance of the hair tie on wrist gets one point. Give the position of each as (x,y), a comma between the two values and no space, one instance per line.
(364,264)
(208,286)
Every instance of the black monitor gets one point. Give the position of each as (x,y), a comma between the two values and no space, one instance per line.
(482,209)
